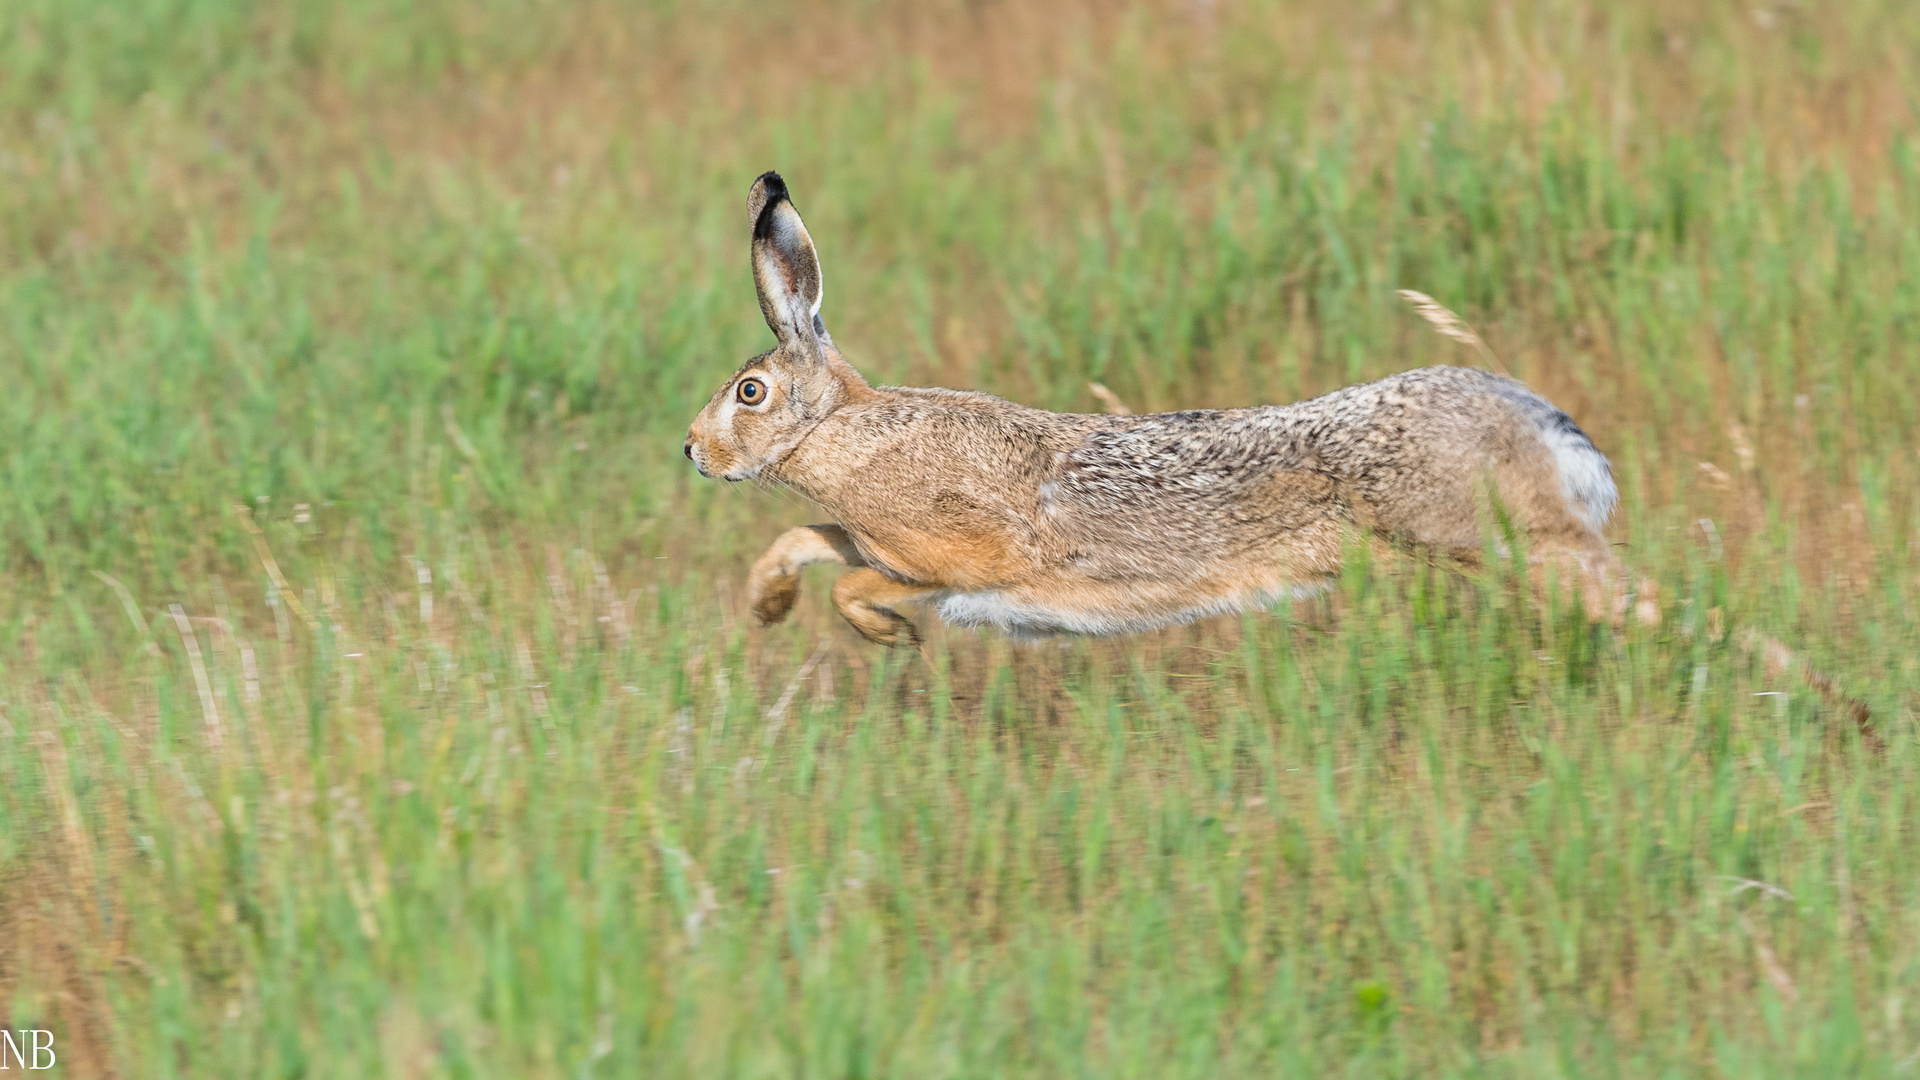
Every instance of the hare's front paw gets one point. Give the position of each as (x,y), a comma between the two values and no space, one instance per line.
(774,582)
(771,595)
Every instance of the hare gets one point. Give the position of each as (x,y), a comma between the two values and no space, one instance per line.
(1041,523)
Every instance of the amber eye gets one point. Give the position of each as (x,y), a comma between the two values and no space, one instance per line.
(752,391)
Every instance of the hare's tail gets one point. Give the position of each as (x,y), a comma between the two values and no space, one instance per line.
(1586,480)
(1585,477)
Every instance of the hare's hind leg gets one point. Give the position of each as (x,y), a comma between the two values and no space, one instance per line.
(774,582)
(866,598)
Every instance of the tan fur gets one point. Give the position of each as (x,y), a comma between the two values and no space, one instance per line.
(1044,522)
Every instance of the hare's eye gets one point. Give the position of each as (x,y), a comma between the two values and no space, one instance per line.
(752,391)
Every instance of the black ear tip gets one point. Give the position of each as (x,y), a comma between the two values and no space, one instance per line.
(776,188)
(768,191)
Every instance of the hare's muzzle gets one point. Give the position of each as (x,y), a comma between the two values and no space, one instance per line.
(687,448)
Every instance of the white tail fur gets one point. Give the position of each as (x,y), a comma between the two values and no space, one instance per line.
(1585,477)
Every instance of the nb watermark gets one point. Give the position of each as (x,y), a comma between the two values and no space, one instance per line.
(33,1049)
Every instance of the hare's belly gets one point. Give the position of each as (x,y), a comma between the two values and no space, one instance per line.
(1117,610)
(1024,617)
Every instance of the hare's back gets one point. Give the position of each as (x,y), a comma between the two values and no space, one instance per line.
(1407,453)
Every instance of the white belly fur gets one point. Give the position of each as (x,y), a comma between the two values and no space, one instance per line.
(1025,618)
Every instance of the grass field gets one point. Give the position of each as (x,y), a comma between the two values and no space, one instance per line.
(377,695)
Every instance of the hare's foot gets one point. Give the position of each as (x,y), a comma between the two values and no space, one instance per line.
(1574,573)
(774,582)
(1602,581)
(866,598)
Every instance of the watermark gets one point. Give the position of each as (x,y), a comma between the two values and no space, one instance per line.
(32,1050)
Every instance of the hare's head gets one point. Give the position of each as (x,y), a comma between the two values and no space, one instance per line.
(770,405)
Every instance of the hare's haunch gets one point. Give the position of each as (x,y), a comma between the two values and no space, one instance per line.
(1040,522)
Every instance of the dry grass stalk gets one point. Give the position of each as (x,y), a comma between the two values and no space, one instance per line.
(776,716)
(1450,325)
(1109,400)
(1715,476)
(1776,659)
(1770,964)
(1742,446)
(191,642)
(272,568)
(132,609)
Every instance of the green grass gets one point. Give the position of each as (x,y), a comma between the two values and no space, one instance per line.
(505,783)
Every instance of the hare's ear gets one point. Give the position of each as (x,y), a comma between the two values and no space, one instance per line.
(785,268)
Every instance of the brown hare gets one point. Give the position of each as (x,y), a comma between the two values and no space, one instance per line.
(1040,522)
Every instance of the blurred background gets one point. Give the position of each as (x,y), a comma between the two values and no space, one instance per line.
(376,691)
